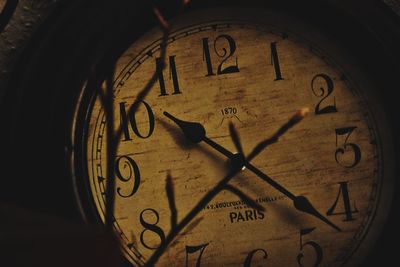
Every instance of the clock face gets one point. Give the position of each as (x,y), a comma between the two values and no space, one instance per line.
(243,69)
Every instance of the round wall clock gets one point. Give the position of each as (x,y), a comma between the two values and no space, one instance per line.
(253,69)
(264,140)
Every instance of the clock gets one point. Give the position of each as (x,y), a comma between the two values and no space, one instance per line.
(250,68)
(264,140)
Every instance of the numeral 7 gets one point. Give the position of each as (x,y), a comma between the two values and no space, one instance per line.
(193,249)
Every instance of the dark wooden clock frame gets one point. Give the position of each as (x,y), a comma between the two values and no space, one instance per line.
(48,49)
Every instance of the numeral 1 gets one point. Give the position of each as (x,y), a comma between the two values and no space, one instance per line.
(275,62)
(173,76)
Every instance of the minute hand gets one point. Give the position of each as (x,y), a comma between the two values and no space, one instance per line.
(300,202)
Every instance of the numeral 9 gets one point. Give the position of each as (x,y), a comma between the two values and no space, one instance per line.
(121,165)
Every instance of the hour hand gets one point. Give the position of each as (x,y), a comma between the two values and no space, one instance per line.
(193,131)
(196,133)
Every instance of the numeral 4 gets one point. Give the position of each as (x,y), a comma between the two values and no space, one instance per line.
(344,191)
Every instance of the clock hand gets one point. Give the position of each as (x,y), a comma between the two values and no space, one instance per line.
(193,131)
(196,133)
(300,202)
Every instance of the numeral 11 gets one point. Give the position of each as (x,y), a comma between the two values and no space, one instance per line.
(173,75)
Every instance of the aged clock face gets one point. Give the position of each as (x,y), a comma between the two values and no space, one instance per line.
(247,69)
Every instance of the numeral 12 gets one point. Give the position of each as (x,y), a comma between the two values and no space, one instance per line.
(224,55)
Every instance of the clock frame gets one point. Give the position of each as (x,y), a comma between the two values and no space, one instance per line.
(38,99)
(244,20)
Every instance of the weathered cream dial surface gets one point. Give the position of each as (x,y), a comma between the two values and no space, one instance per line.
(250,70)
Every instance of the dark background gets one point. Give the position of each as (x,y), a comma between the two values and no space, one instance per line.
(48,48)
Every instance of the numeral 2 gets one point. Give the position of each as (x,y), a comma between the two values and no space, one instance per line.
(324,93)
